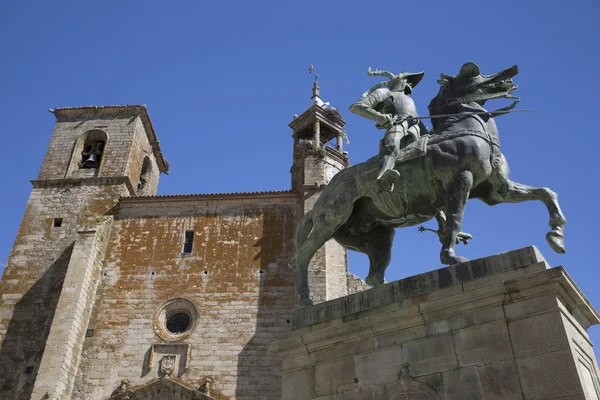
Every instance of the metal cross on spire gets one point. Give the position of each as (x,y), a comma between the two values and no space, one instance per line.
(311,70)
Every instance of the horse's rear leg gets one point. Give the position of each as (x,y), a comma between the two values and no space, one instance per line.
(377,245)
(456,200)
(517,193)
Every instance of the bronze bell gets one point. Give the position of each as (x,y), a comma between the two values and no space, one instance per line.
(91,162)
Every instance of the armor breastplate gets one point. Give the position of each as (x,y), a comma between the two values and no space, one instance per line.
(400,104)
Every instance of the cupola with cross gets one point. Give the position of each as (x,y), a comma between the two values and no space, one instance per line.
(318,156)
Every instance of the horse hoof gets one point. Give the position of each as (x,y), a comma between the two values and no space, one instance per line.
(374,280)
(305,303)
(556,241)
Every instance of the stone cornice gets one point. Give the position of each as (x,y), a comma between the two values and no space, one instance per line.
(95,181)
(319,113)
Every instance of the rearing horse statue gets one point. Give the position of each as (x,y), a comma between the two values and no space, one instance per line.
(462,161)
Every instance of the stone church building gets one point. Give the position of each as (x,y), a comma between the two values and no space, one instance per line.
(114,292)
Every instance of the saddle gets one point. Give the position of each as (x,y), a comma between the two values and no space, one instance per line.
(419,148)
(413,150)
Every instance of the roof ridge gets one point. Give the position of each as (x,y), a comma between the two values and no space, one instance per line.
(219,194)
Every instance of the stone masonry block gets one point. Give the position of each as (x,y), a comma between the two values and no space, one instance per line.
(431,354)
(379,366)
(548,376)
(342,350)
(534,305)
(462,384)
(538,334)
(483,344)
(401,336)
(328,376)
(298,384)
(500,381)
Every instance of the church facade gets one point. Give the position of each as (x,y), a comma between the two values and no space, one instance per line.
(112,291)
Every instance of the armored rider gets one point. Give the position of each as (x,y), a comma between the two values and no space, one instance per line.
(389,105)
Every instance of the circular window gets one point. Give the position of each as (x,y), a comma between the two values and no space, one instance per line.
(175,319)
(178,323)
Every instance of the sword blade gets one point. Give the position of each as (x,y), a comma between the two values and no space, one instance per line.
(474,113)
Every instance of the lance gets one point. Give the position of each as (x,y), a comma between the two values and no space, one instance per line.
(472,113)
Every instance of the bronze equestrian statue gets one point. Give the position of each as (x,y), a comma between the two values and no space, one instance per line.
(437,173)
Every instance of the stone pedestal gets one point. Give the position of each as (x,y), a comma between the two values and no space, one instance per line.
(501,327)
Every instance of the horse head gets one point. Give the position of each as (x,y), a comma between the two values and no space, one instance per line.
(471,86)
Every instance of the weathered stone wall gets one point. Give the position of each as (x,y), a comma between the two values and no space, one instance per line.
(32,283)
(35,271)
(236,277)
(140,149)
(355,284)
(502,327)
(56,375)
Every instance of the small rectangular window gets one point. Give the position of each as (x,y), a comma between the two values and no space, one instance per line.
(57,222)
(89,333)
(29,370)
(189,242)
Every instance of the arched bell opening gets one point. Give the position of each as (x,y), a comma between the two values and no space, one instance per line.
(88,153)
(93,149)
(145,176)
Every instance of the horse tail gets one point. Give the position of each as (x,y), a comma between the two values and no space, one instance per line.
(303,229)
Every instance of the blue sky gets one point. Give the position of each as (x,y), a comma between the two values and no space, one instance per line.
(222,81)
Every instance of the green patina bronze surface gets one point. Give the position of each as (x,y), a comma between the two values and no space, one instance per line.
(420,175)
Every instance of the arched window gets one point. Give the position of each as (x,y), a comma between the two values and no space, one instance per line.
(87,154)
(144,176)
(93,148)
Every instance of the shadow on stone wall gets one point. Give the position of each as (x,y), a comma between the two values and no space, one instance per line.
(259,373)
(28,330)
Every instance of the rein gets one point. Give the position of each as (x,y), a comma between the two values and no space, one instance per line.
(476,98)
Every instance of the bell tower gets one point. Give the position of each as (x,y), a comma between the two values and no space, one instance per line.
(96,156)
(318,155)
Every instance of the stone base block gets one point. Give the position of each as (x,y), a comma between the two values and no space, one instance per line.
(501,327)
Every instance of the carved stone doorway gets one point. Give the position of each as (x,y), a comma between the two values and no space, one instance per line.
(161,389)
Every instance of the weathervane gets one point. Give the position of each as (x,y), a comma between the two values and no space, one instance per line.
(311,70)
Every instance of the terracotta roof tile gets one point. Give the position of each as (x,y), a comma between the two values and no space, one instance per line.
(275,193)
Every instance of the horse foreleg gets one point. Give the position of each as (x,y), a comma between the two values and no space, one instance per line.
(456,200)
(518,193)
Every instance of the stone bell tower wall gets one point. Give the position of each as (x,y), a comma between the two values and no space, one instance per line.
(64,200)
(501,327)
(129,137)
